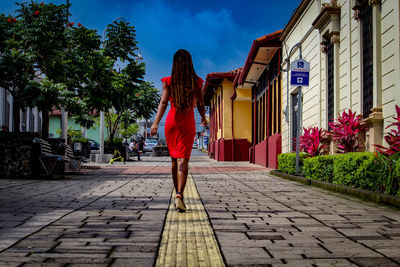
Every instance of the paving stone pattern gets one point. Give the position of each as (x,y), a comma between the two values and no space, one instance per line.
(115,216)
(188,239)
(112,217)
(261,220)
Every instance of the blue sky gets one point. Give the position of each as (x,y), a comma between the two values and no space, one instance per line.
(218,34)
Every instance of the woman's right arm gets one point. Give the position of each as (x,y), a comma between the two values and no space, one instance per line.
(161,108)
(201,109)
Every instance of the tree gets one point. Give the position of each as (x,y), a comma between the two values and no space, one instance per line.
(47,61)
(43,33)
(129,96)
(16,67)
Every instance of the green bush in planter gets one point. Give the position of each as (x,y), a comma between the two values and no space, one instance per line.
(287,162)
(352,169)
(319,168)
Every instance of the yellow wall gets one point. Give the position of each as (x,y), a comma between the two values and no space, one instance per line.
(227,109)
(240,93)
(242,120)
(242,112)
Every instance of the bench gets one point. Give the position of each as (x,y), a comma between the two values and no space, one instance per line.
(50,163)
(74,162)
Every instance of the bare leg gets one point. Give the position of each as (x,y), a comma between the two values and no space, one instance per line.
(175,173)
(183,167)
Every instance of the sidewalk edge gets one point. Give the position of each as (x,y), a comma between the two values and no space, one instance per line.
(360,193)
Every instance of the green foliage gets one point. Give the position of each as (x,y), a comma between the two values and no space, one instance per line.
(73,134)
(114,142)
(386,172)
(319,168)
(352,169)
(80,140)
(79,71)
(121,40)
(127,130)
(287,162)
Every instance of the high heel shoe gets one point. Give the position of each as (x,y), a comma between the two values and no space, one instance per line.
(179,205)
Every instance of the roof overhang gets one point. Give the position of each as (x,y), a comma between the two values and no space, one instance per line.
(260,55)
(214,79)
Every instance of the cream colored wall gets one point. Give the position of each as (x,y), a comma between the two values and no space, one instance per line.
(390,57)
(388,74)
(310,39)
(242,114)
(348,83)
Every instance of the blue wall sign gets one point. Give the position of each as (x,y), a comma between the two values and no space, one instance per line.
(300,73)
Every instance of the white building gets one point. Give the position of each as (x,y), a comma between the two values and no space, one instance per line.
(353,48)
(30,118)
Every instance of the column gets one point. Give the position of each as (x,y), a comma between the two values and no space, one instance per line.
(64,125)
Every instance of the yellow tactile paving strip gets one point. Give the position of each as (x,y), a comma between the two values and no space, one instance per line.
(188,239)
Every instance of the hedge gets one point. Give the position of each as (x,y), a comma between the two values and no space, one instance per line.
(350,169)
(287,162)
(319,168)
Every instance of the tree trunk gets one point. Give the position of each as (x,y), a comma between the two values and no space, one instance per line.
(16,117)
(45,124)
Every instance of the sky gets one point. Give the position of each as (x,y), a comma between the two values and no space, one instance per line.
(218,33)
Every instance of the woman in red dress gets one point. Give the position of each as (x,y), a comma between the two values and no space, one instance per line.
(184,90)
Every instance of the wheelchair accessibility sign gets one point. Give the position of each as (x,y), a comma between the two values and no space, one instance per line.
(300,73)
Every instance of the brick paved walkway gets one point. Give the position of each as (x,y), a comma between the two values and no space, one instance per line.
(115,216)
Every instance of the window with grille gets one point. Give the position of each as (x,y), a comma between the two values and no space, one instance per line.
(367,58)
(330,77)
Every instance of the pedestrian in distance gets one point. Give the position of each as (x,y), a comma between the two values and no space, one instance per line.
(183,89)
(134,149)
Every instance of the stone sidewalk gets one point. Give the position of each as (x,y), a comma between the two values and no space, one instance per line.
(115,216)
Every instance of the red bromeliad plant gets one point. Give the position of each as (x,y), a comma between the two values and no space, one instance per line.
(313,141)
(392,138)
(345,132)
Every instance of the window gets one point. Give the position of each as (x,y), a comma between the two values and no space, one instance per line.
(367,59)
(330,78)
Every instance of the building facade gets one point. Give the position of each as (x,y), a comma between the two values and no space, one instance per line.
(30,118)
(261,75)
(230,113)
(354,54)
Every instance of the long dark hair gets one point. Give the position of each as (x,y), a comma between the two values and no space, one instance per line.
(184,81)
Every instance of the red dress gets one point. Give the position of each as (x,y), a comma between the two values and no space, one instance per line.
(180,128)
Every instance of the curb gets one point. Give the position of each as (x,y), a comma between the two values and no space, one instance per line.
(361,193)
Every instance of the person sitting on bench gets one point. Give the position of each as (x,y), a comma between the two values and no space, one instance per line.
(134,149)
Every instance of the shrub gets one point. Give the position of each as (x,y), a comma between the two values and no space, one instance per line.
(386,172)
(353,169)
(345,132)
(287,162)
(393,137)
(313,141)
(319,168)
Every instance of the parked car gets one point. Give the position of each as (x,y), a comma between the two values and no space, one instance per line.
(93,144)
(149,144)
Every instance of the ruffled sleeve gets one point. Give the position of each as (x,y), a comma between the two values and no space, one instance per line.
(166,80)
